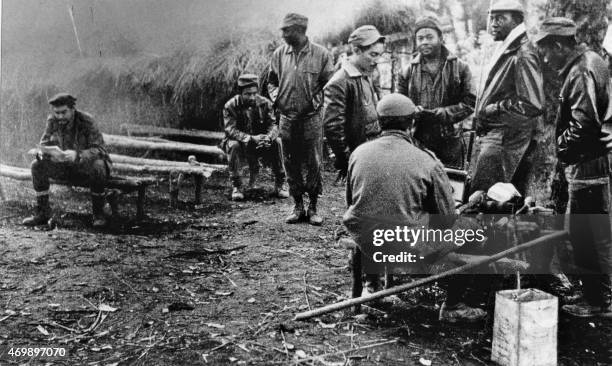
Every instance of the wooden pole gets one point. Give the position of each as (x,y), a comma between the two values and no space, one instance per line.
(127,142)
(74,27)
(546,239)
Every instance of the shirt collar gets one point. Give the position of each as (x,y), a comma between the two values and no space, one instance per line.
(571,60)
(351,70)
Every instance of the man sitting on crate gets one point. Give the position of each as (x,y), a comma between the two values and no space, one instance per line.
(79,157)
(251,132)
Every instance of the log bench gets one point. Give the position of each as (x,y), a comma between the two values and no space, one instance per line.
(116,184)
(212,174)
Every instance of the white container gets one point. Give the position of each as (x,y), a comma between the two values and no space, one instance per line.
(525,328)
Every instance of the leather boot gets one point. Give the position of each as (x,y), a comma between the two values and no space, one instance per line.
(43,212)
(97,205)
(313,217)
(298,213)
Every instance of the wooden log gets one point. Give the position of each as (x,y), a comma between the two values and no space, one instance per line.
(15,172)
(160,169)
(131,143)
(546,239)
(116,158)
(166,131)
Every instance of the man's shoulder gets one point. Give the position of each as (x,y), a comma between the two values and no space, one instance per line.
(280,50)
(339,78)
(232,102)
(85,118)
(317,49)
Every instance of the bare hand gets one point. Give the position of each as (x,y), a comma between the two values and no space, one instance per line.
(69,155)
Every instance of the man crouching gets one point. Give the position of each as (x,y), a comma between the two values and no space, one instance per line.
(81,158)
(250,131)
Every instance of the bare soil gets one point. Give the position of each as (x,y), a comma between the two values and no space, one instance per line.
(219,284)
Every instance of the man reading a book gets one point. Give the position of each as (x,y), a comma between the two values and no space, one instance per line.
(71,149)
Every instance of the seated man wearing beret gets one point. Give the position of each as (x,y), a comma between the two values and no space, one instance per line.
(81,157)
(251,132)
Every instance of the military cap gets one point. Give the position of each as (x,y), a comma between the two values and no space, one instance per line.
(395,105)
(427,22)
(365,35)
(246,80)
(506,5)
(60,99)
(557,26)
(292,19)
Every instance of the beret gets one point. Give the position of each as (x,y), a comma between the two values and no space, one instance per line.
(557,26)
(60,99)
(395,105)
(365,36)
(292,19)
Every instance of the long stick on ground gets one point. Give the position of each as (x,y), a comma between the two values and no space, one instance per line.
(546,239)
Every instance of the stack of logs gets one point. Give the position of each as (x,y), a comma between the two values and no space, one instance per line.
(147,138)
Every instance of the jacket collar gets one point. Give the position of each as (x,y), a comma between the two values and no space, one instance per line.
(512,42)
(445,53)
(571,59)
(304,49)
(351,70)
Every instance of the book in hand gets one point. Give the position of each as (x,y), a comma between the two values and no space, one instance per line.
(53,153)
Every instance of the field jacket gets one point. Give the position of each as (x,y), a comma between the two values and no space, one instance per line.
(296,79)
(350,116)
(584,108)
(81,135)
(241,121)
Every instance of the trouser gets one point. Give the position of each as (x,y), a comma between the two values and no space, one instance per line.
(590,234)
(94,174)
(302,146)
(449,151)
(503,156)
(238,151)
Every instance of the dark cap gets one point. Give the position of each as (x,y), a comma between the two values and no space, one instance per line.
(247,80)
(427,22)
(292,19)
(61,99)
(395,105)
(365,35)
(502,6)
(557,26)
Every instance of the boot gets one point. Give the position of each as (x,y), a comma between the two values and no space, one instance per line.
(298,213)
(280,190)
(43,212)
(313,217)
(253,180)
(237,194)
(97,205)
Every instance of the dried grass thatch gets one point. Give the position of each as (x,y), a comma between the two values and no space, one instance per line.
(387,17)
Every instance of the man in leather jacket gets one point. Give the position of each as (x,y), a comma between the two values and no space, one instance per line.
(584,111)
(510,100)
(350,117)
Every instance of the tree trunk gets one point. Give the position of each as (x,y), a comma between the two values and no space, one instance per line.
(549,183)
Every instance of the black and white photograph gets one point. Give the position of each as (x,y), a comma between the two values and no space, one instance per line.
(306,182)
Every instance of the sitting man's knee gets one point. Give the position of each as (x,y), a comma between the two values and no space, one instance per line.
(233,145)
(98,169)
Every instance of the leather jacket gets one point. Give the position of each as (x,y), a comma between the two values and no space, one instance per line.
(584,108)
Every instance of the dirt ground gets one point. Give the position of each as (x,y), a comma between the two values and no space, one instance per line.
(218,284)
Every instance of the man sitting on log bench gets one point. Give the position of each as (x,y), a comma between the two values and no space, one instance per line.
(251,132)
(79,156)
